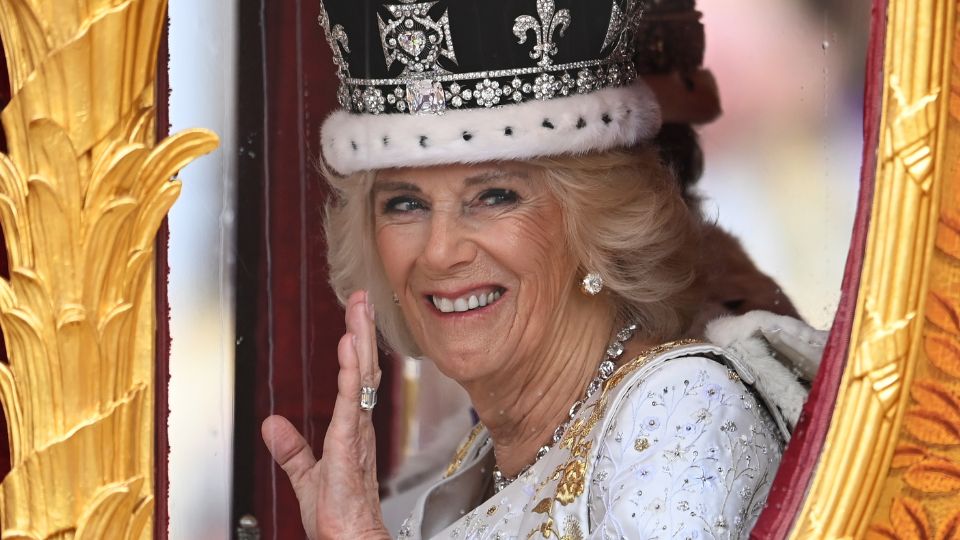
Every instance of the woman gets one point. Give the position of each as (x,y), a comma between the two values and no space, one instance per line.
(513,224)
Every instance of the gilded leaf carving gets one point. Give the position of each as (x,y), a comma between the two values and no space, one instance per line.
(931,425)
(943,350)
(950,529)
(932,394)
(934,476)
(907,454)
(881,532)
(911,129)
(83,190)
(942,312)
(948,237)
(909,519)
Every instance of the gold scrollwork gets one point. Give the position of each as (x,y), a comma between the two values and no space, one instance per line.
(885,373)
(83,190)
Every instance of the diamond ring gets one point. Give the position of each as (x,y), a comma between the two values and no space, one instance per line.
(368,398)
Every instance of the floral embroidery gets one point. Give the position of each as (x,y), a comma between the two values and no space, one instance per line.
(641,444)
(572,529)
(462,451)
(708,473)
(681,451)
(571,482)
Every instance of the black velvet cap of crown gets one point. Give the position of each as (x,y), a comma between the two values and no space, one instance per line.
(482,33)
(381,46)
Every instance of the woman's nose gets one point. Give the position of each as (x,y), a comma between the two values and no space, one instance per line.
(448,246)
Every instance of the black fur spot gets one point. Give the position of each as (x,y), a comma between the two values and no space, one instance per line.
(734,305)
(547,123)
(353,145)
(467,135)
(508,131)
(386,141)
(423,141)
(606,118)
(581,123)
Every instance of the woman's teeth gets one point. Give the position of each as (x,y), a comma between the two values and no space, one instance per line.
(464,303)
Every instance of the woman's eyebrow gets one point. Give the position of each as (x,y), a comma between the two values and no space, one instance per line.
(489,176)
(393,185)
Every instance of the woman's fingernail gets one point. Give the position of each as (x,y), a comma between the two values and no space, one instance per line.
(353,339)
(371,311)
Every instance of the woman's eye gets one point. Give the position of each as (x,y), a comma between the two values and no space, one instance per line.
(496,197)
(402,205)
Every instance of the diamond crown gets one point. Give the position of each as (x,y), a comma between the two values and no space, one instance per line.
(431,58)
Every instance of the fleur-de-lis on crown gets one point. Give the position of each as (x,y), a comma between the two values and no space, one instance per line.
(550,22)
(335,36)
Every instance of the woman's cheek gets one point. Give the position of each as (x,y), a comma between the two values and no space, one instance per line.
(393,246)
(539,243)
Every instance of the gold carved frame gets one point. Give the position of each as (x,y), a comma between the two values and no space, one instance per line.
(890,467)
(85,185)
(84,188)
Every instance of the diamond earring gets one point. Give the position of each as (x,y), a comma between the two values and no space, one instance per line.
(592,284)
(396,299)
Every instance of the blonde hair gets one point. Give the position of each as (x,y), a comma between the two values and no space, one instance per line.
(625,218)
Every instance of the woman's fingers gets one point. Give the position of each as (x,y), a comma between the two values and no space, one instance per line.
(346,409)
(360,322)
(288,448)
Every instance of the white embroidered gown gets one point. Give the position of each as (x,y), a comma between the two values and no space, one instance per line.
(675,446)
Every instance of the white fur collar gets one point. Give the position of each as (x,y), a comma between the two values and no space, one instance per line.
(773,353)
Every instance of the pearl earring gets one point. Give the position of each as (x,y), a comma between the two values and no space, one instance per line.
(592,284)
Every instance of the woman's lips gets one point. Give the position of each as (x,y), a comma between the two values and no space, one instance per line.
(466,302)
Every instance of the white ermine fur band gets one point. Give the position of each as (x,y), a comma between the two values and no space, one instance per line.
(577,124)
(755,356)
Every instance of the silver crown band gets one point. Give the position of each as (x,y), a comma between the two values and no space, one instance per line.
(483,89)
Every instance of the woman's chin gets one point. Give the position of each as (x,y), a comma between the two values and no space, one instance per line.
(464,361)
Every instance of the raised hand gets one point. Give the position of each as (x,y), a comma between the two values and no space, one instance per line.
(338,494)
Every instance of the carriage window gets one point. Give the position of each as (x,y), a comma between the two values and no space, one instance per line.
(255,328)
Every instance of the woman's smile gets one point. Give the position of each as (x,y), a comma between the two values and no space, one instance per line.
(473,301)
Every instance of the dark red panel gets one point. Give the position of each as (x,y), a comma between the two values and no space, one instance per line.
(288,321)
(801,457)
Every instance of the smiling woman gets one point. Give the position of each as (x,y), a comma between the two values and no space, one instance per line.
(563,214)
(517,225)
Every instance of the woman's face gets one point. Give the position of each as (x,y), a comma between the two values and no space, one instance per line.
(478,257)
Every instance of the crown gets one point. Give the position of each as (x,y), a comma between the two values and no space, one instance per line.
(419,59)
(431,56)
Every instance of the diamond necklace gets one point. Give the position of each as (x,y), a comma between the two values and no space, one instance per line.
(604,372)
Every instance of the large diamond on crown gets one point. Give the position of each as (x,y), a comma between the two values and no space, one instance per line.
(411,36)
(425,97)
